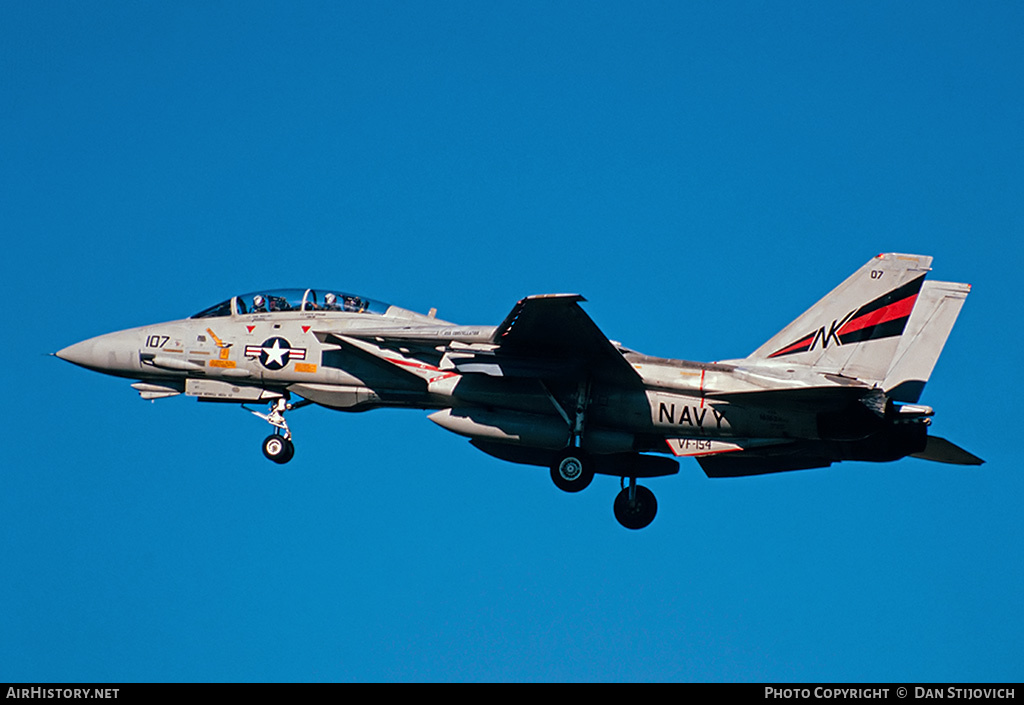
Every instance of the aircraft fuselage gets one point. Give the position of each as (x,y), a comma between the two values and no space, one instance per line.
(546,387)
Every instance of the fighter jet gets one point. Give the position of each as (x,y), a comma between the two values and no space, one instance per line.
(545,387)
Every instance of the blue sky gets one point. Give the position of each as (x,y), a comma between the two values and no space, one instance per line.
(701,172)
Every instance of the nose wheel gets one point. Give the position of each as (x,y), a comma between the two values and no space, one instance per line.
(278,448)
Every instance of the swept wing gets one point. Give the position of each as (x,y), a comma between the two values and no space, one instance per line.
(554,327)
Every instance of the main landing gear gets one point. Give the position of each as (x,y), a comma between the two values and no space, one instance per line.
(635,506)
(571,471)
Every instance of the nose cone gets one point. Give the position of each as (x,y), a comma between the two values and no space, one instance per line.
(111,353)
(79,354)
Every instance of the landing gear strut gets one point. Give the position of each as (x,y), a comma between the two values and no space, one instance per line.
(278,446)
(635,506)
(572,470)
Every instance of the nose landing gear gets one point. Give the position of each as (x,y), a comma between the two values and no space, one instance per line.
(278,446)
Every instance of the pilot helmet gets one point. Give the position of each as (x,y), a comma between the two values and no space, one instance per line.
(330,298)
(257,301)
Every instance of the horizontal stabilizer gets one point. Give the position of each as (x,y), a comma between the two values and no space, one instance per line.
(942,451)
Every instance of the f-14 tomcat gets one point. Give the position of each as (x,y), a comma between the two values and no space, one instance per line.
(547,388)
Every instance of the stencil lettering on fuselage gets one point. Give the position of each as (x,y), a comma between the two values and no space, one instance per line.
(694,417)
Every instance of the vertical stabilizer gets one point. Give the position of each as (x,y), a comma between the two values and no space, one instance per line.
(855,330)
(937,307)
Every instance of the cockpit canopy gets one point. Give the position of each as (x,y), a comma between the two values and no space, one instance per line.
(294,300)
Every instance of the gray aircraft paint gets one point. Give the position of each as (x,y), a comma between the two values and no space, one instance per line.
(546,387)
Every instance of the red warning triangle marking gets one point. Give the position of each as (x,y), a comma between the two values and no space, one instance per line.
(250,328)
(305,329)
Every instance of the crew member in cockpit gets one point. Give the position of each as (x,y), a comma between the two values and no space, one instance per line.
(331,302)
(259,304)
